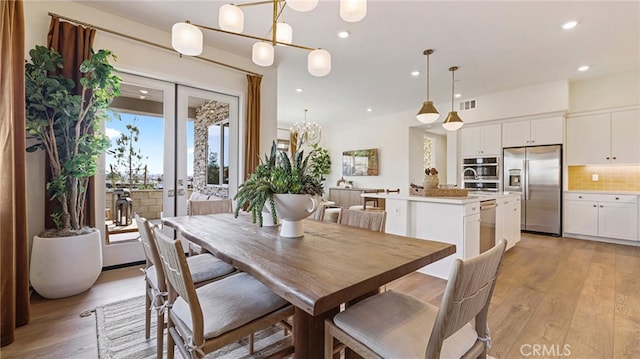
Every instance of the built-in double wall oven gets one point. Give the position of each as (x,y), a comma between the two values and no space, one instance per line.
(481,173)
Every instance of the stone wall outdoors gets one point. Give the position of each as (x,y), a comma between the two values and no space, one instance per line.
(147,202)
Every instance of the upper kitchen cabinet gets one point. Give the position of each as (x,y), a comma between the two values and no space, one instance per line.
(545,131)
(608,138)
(481,141)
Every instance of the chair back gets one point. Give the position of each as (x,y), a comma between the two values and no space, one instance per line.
(179,279)
(210,206)
(150,250)
(318,215)
(466,296)
(373,220)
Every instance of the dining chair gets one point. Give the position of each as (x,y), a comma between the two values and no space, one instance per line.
(318,214)
(204,268)
(396,325)
(219,313)
(373,220)
(208,206)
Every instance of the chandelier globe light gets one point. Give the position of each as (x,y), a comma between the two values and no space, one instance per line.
(319,63)
(428,113)
(302,5)
(262,54)
(231,18)
(284,32)
(186,39)
(453,122)
(308,133)
(353,10)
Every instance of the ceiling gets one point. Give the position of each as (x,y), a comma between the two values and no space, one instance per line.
(497,45)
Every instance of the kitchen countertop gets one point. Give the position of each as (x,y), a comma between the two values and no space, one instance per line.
(471,198)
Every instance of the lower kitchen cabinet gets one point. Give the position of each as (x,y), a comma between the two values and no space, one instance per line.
(508,220)
(602,215)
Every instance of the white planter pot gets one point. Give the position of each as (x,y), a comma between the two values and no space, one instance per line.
(65,266)
(291,210)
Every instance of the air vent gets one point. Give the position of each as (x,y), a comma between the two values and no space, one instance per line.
(468,105)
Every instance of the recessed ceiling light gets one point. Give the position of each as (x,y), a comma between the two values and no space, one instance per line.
(299,89)
(583,68)
(458,95)
(343,34)
(569,25)
(369,109)
(142,97)
(415,73)
(144,92)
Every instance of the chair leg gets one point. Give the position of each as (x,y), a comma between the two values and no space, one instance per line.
(251,343)
(147,313)
(159,333)
(170,342)
(328,342)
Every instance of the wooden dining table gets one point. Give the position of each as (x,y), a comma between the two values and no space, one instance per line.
(330,265)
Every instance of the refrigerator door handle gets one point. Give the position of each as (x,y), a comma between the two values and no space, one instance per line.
(526,179)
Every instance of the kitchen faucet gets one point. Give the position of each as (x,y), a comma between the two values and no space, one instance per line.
(475,174)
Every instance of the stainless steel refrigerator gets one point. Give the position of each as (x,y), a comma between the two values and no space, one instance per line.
(535,172)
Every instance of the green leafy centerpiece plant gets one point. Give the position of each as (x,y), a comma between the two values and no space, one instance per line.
(282,184)
(67,127)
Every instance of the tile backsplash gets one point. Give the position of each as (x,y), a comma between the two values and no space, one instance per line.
(610,178)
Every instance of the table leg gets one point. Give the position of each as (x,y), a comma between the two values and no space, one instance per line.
(308,334)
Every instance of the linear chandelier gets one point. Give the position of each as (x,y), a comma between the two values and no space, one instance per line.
(186,37)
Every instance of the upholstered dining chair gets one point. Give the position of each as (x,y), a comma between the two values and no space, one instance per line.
(204,268)
(373,220)
(208,206)
(318,214)
(396,325)
(207,318)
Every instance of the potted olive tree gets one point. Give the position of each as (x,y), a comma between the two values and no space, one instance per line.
(288,187)
(68,259)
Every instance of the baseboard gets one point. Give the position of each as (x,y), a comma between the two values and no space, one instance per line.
(125,265)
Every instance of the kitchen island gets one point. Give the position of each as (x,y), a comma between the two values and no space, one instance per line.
(455,220)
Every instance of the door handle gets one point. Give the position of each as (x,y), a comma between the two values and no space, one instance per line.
(171,193)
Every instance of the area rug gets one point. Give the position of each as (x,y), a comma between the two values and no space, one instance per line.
(120,328)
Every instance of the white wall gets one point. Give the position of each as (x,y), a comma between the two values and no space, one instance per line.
(618,90)
(146,60)
(389,134)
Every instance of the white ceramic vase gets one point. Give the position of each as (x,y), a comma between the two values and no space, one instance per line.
(65,266)
(291,210)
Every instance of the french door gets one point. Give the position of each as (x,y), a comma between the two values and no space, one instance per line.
(157,154)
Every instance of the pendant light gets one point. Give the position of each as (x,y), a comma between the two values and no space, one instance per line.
(453,121)
(262,54)
(231,18)
(186,39)
(353,10)
(319,62)
(428,112)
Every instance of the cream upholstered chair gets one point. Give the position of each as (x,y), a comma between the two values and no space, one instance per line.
(207,318)
(318,214)
(197,206)
(204,268)
(396,325)
(373,220)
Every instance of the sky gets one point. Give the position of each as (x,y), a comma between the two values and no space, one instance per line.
(150,142)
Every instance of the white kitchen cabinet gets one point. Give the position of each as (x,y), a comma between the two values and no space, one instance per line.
(508,220)
(602,215)
(544,131)
(472,235)
(609,138)
(481,141)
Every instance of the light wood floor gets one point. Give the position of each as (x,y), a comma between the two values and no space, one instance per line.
(560,296)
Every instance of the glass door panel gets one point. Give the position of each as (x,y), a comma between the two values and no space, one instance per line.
(134,176)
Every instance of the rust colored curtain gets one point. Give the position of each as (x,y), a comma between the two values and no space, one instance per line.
(252,143)
(14,244)
(74,43)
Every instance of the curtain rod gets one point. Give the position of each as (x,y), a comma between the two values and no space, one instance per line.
(152,44)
